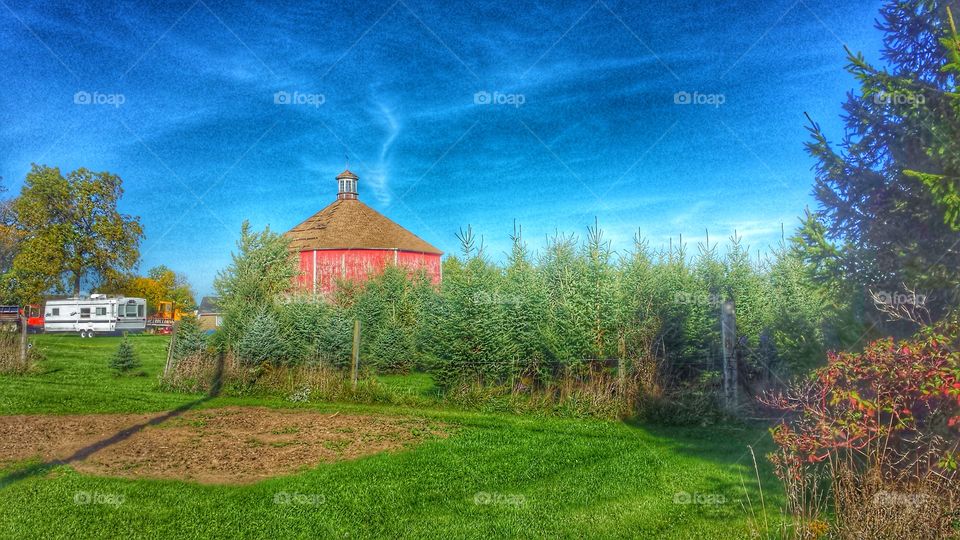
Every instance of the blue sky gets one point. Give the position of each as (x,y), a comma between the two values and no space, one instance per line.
(450,113)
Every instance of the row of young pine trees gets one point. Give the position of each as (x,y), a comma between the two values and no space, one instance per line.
(576,308)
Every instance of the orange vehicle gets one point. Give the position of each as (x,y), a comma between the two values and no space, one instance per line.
(34,314)
(162,320)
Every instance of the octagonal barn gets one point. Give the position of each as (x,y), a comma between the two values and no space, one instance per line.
(350,240)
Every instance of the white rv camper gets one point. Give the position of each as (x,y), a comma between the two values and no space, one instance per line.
(97,313)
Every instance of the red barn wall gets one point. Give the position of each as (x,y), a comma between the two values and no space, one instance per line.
(320,268)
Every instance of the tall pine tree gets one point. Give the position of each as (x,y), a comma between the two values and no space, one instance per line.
(887,189)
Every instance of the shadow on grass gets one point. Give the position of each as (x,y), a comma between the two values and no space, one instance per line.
(122,435)
(741,449)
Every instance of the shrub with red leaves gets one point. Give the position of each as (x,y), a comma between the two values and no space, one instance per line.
(902,397)
(880,430)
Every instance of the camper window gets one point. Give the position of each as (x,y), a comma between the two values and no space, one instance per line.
(85,313)
(101,311)
(140,310)
(131,310)
(55,312)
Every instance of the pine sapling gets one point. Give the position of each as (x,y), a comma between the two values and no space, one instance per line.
(125,359)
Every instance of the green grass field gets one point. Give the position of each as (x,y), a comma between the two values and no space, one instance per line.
(494,476)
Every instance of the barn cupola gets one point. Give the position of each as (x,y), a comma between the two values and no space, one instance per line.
(347,185)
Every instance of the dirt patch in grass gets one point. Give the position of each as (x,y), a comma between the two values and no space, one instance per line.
(216,446)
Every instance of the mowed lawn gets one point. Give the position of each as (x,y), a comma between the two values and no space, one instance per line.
(493,476)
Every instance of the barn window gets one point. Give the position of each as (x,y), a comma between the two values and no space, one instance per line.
(85,313)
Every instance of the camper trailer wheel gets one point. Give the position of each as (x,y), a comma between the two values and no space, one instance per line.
(89,333)
(83,334)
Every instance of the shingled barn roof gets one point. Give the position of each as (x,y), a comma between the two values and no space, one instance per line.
(350,224)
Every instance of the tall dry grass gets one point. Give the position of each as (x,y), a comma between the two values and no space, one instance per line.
(204,371)
(843,501)
(11,361)
(597,395)
(195,372)
(877,492)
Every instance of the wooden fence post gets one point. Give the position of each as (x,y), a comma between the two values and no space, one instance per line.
(23,337)
(622,361)
(355,360)
(173,343)
(728,330)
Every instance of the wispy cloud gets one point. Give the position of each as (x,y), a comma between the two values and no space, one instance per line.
(379,177)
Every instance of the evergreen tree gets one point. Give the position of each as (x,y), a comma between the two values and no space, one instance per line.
(261,342)
(390,307)
(641,309)
(679,306)
(887,190)
(469,343)
(526,313)
(125,359)
(315,332)
(190,338)
(746,286)
(709,293)
(798,310)
(599,284)
(259,276)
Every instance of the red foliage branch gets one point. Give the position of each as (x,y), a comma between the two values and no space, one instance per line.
(901,398)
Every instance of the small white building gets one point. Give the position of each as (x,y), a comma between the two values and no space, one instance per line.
(97,313)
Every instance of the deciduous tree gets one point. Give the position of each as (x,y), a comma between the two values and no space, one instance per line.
(161,284)
(71,230)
